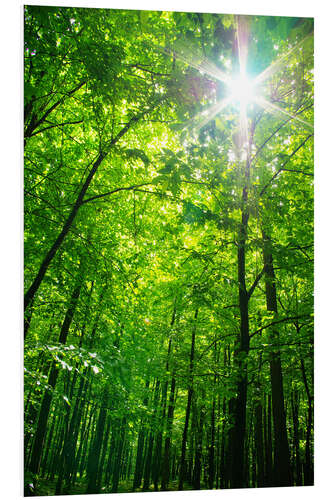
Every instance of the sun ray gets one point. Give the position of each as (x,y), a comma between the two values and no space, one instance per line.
(202,64)
(273,108)
(242,35)
(201,119)
(275,66)
(242,89)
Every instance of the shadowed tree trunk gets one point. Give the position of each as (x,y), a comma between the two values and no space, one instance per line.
(259,444)
(297,462)
(37,449)
(139,462)
(188,406)
(95,449)
(281,470)
(268,441)
(118,457)
(148,461)
(308,469)
(238,406)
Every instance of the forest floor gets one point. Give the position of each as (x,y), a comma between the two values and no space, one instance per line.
(47,488)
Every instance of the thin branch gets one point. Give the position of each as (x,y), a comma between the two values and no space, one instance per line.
(32,126)
(284,164)
(255,283)
(56,125)
(297,171)
(102,195)
(283,320)
(138,66)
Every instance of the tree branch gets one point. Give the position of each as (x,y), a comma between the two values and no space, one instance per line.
(283,320)
(255,283)
(55,125)
(102,195)
(33,125)
(284,164)
(297,171)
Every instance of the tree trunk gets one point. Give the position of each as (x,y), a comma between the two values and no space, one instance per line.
(308,470)
(118,457)
(268,442)
(297,462)
(103,454)
(147,468)
(188,406)
(211,449)
(30,294)
(259,444)
(167,444)
(139,463)
(53,376)
(200,416)
(281,470)
(240,358)
(95,448)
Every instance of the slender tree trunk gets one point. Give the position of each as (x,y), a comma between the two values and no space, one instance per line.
(68,456)
(118,457)
(268,442)
(240,358)
(139,463)
(308,470)
(200,416)
(56,449)
(281,470)
(87,436)
(103,454)
(50,436)
(188,406)
(211,458)
(95,448)
(222,468)
(297,461)
(259,444)
(53,376)
(167,444)
(159,438)
(109,466)
(147,468)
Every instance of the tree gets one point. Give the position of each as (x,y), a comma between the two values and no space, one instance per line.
(168,251)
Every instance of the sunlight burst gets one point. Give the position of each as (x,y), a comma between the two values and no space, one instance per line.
(242,90)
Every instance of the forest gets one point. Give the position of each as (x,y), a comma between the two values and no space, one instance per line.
(168,251)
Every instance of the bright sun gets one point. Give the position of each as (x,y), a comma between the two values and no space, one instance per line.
(242,90)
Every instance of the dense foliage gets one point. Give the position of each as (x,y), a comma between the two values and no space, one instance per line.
(168,270)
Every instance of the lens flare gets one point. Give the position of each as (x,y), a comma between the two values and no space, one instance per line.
(242,90)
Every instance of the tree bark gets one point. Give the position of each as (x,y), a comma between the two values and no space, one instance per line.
(167,444)
(281,469)
(118,457)
(308,469)
(139,463)
(240,358)
(259,444)
(53,376)
(268,442)
(188,406)
(297,461)
(148,461)
(96,446)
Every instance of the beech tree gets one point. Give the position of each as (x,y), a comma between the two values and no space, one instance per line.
(168,251)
